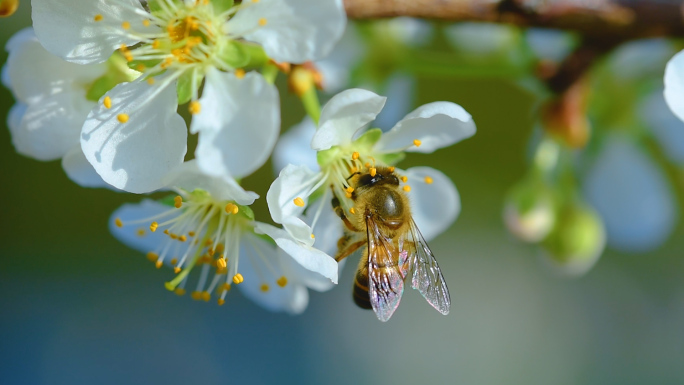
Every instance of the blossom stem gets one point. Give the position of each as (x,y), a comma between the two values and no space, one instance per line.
(270,72)
(311,104)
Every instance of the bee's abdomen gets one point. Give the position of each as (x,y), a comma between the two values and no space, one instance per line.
(360,290)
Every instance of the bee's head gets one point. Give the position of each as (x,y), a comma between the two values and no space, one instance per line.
(376,176)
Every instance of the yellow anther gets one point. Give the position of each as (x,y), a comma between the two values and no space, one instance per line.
(404,179)
(231,208)
(176,269)
(351,210)
(122,118)
(118,222)
(206,296)
(208,242)
(166,231)
(98,17)
(195,107)
(282,281)
(354,170)
(299,202)
(255,1)
(125,25)
(264,288)
(123,48)
(182,238)
(239,73)
(372,171)
(150,81)
(220,247)
(174,261)
(313,236)
(173,236)
(428,180)
(347,194)
(153,226)
(211,252)
(107,102)
(221,301)
(141,232)
(416,142)
(128,56)
(350,189)
(237,278)
(178,201)
(159,264)
(179,291)
(262,21)
(196,295)
(140,67)
(146,23)
(407,188)
(191,233)
(152,256)
(221,263)
(225,287)
(155,44)
(391,169)
(355,155)
(367,165)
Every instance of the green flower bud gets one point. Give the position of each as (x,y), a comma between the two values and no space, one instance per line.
(529,211)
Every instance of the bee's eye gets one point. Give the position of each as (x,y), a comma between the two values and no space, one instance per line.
(366,180)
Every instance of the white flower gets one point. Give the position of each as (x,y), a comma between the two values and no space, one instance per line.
(343,146)
(632,195)
(674,84)
(209,227)
(134,136)
(51,105)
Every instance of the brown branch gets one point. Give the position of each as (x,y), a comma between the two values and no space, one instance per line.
(617,20)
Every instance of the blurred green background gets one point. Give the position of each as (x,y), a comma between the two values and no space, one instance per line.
(79,307)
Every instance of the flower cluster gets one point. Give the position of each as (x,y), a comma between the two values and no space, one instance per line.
(113,88)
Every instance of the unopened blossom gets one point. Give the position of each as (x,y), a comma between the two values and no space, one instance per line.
(299,198)
(53,103)
(206,233)
(134,137)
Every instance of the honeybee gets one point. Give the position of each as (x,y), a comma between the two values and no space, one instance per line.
(381,220)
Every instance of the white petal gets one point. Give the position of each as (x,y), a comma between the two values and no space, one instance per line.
(238,124)
(51,127)
(14,117)
(328,229)
(674,84)
(435,206)
(189,177)
(129,234)
(5,78)
(67,28)
(136,155)
(667,128)
(436,125)
(344,115)
(79,170)
(400,86)
(293,182)
(35,73)
(293,147)
(309,257)
(632,195)
(296,31)
(256,273)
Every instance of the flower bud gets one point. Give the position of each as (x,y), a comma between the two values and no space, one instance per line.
(566,116)
(529,211)
(576,242)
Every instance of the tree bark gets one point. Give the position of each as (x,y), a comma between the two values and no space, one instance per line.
(612,20)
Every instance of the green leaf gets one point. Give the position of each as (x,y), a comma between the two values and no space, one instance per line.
(234,54)
(221,6)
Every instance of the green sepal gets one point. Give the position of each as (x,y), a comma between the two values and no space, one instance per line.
(257,56)
(392,159)
(185,87)
(327,156)
(368,139)
(168,200)
(154,6)
(246,211)
(221,6)
(235,54)
(117,72)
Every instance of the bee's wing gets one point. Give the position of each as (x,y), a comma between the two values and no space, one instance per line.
(417,258)
(385,281)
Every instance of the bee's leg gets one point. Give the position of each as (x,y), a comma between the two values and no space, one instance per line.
(340,213)
(346,246)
